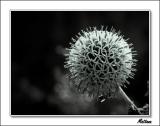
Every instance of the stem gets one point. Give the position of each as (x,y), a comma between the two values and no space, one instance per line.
(128,100)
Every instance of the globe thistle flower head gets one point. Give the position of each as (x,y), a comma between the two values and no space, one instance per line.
(99,61)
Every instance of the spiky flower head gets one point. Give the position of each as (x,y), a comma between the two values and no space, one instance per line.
(99,61)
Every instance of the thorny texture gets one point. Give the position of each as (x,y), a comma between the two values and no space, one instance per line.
(100,61)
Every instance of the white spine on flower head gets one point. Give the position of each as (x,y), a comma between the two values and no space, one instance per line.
(99,61)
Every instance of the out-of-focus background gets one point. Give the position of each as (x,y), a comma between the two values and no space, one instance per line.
(38,79)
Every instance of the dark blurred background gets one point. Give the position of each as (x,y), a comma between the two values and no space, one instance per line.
(38,40)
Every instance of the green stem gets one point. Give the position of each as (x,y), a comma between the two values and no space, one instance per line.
(128,100)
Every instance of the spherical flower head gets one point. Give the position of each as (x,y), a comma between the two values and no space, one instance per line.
(99,61)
